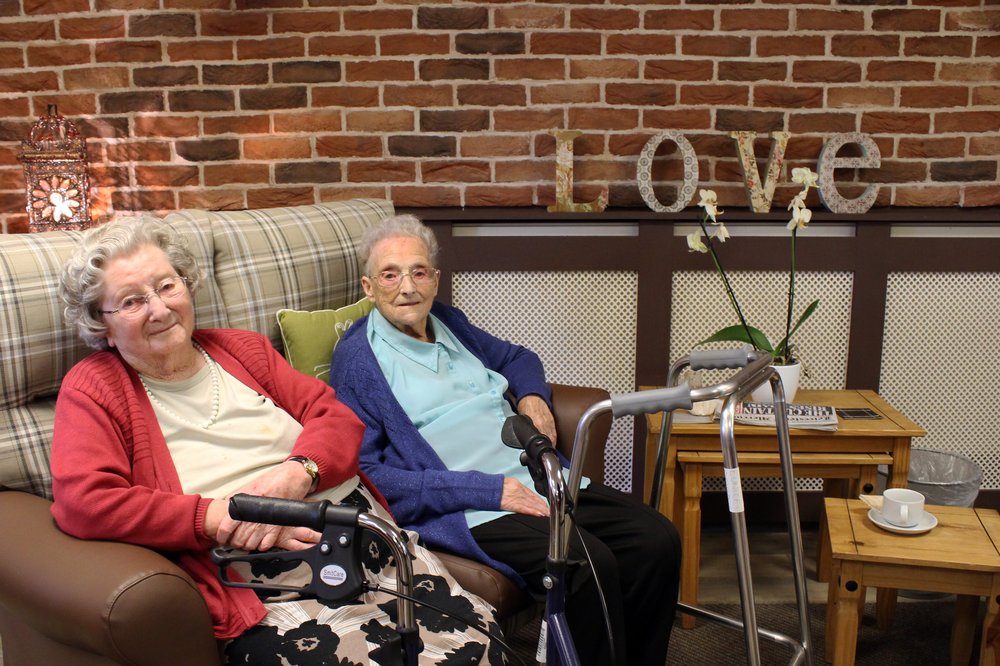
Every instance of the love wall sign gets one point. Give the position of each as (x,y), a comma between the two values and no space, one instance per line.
(760,191)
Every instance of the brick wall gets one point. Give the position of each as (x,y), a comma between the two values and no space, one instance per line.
(250,103)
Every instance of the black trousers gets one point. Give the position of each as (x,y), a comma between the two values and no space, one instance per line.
(637,555)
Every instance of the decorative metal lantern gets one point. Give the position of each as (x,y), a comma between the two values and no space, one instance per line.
(57,184)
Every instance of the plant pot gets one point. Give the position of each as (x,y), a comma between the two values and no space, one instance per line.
(789,374)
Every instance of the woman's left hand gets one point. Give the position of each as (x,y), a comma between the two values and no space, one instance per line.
(288,480)
(538,411)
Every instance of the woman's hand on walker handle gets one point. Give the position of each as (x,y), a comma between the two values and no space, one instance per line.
(538,411)
(520,499)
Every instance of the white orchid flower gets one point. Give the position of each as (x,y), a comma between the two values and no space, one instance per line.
(720,233)
(695,243)
(805,177)
(708,201)
(800,218)
(798,201)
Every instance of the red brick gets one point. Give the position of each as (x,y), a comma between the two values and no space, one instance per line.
(791,45)
(419,95)
(125,5)
(641,44)
(69,105)
(987,46)
(354,96)
(350,45)
(379,121)
(415,44)
(679,19)
(750,70)
(203,51)
(926,195)
(865,46)
(128,51)
(895,122)
(933,97)
(566,93)
(242,172)
(804,123)
(976,20)
(502,196)
(281,148)
(677,119)
(906,20)
(233,24)
(584,118)
(453,18)
(33,7)
(474,69)
(11,58)
(533,170)
(381,171)
(793,97)
(311,122)
(426,196)
(900,70)
(140,151)
(143,200)
(745,18)
(714,95)
(564,43)
(96,78)
(986,96)
(731,47)
(14,106)
(967,121)
(422,145)
(604,170)
(455,171)
(92,27)
(491,145)
(938,46)
(895,171)
(528,16)
(980,195)
(541,69)
(984,145)
(584,144)
(860,97)
(19,32)
(603,68)
(305,21)
(58,56)
(161,25)
(727,120)
(481,43)
(988,72)
(240,125)
(165,126)
(604,19)
(166,175)
(272,48)
(379,19)
(274,97)
(236,75)
(221,199)
(826,71)
(827,19)
(527,121)
(272,197)
(492,94)
(385,70)
(28,82)
(211,150)
(348,146)
(679,70)
(310,171)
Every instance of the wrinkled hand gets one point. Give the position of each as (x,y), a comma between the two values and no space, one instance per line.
(520,499)
(288,480)
(538,411)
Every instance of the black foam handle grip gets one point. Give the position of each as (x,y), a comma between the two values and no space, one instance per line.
(519,432)
(274,511)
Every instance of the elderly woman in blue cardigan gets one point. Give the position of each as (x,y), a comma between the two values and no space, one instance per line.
(433,391)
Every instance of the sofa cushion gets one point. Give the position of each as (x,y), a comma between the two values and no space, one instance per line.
(301,258)
(310,336)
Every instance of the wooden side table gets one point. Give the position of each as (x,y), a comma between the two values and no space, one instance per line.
(960,556)
(846,459)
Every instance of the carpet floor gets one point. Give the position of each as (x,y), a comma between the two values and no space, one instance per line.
(919,636)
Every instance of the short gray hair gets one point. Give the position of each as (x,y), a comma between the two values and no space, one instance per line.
(81,285)
(391,227)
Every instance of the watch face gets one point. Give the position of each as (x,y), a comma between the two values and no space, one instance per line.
(311,467)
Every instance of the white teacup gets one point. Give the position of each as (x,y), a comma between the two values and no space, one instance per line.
(902,507)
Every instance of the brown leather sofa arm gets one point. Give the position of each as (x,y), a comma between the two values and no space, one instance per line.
(126,603)
(569,404)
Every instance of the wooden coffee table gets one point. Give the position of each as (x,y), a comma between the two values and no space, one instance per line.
(960,556)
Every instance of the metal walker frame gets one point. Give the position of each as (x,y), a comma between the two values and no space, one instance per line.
(753,369)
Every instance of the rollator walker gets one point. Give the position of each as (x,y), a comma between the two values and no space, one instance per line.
(753,369)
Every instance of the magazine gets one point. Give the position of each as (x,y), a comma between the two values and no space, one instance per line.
(813,417)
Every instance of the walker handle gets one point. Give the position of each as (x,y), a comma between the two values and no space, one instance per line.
(720,359)
(291,513)
(651,402)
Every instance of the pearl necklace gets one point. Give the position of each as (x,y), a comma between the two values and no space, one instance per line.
(214,372)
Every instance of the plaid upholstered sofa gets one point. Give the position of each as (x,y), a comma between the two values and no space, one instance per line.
(67,601)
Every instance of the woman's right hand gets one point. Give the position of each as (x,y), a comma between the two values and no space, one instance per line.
(520,499)
(254,536)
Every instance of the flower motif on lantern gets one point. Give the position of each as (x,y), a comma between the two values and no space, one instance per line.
(57,197)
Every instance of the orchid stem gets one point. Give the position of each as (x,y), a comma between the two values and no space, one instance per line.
(784,347)
(727,285)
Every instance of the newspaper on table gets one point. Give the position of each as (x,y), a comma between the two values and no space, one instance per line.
(814,417)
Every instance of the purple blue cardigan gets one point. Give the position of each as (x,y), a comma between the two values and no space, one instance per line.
(424,494)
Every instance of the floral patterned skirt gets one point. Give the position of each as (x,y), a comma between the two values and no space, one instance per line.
(300,631)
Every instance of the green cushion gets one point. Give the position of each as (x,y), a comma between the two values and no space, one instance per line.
(309,337)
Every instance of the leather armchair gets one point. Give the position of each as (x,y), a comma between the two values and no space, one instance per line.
(93,603)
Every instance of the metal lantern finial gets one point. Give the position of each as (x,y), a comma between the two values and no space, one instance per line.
(57,184)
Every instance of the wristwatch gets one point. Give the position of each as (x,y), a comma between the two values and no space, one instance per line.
(312,469)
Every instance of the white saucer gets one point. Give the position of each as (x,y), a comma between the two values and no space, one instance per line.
(926,524)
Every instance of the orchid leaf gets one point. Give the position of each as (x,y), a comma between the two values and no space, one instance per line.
(738,333)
